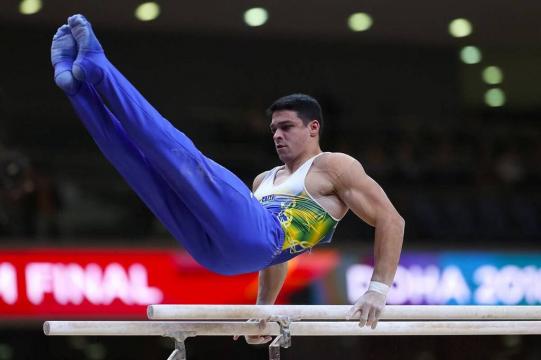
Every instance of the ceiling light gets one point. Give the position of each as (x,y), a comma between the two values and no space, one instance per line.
(495,97)
(256,16)
(147,11)
(492,75)
(360,22)
(470,55)
(460,28)
(29,7)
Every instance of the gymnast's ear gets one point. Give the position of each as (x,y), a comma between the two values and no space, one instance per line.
(314,127)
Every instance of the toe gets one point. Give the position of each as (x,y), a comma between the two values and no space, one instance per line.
(63,30)
(76,20)
(81,29)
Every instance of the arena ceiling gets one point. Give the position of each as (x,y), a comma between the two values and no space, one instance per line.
(496,23)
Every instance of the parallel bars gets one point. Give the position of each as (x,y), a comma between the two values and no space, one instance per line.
(284,321)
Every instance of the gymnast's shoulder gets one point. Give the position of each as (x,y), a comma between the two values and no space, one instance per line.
(259,179)
(336,163)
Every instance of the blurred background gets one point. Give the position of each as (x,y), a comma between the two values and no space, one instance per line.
(440,102)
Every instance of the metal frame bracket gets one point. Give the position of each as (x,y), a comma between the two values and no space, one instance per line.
(282,340)
(180,348)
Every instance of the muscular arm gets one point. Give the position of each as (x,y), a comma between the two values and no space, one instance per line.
(370,203)
(272,278)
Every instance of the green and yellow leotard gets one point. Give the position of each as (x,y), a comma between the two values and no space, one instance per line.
(305,223)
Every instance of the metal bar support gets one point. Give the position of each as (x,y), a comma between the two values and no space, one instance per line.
(180,347)
(282,340)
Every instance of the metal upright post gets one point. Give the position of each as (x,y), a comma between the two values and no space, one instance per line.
(274,348)
(180,347)
(282,340)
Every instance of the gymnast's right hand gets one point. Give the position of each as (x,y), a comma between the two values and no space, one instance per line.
(256,339)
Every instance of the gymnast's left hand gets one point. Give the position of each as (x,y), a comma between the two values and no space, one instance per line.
(256,339)
(369,308)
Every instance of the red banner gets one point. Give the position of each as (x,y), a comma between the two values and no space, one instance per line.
(116,283)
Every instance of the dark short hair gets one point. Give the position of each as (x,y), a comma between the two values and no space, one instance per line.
(306,107)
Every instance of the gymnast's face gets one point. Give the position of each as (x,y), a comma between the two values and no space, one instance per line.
(292,138)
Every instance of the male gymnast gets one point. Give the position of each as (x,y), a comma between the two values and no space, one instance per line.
(210,211)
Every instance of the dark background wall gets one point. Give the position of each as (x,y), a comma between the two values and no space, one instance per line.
(456,170)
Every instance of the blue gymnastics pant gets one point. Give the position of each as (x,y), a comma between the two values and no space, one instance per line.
(209,210)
